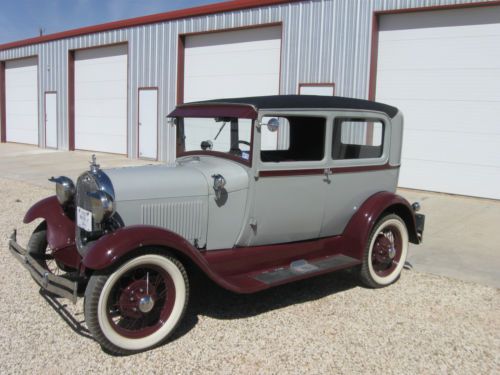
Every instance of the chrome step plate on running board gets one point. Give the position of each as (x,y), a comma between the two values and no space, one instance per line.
(302,267)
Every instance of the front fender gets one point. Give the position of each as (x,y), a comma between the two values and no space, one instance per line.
(60,228)
(110,248)
(358,229)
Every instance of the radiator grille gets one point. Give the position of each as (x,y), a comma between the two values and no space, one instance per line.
(183,218)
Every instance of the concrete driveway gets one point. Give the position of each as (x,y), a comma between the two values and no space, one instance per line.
(461,239)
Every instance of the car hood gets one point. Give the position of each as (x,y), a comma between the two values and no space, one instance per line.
(188,177)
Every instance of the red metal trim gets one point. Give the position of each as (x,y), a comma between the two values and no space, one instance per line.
(180,69)
(3,106)
(218,154)
(325,84)
(71,100)
(375,31)
(320,171)
(227,6)
(372,86)
(215,110)
(45,117)
(292,172)
(138,118)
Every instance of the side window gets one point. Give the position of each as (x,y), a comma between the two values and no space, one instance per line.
(357,139)
(298,138)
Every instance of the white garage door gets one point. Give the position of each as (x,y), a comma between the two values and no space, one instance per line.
(21,101)
(101,99)
(442,69)
(232,64)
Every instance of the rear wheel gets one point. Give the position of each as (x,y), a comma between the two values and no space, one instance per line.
(137,306)
(385,252)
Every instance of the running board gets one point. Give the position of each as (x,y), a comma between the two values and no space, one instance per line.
(303,267)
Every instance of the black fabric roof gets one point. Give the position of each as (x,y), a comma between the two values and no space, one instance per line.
(305,101)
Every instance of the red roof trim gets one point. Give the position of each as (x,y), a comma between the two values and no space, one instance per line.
(226,6)
(215,110)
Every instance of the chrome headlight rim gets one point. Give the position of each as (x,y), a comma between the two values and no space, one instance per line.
(65,189)
(103,205)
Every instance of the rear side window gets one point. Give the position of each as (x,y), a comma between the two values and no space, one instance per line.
(355,138)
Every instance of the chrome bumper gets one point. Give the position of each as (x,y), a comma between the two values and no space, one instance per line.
(57,285)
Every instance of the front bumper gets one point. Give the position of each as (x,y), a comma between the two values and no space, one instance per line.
(60,286)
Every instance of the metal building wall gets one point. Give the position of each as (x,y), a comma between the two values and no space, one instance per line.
(323,41)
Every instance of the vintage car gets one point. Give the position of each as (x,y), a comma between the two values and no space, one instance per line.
(264,191)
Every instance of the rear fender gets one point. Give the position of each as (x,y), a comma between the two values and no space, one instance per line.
(60,228)
(112,248)
(358,229)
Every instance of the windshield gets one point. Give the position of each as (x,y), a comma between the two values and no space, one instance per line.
(227,135)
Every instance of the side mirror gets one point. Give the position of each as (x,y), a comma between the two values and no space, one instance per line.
(273,124)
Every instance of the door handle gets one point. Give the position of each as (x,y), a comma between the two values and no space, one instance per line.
(328,172)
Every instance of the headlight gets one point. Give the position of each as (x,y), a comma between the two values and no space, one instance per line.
(65,189)
(103,205)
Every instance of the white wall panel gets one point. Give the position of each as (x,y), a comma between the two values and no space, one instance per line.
(442,69)
(101,99)
(21,101)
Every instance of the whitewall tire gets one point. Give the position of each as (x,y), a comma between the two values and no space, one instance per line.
(138,305)
(385,253)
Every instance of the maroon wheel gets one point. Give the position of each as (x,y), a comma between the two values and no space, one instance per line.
(386,252)
(137,306)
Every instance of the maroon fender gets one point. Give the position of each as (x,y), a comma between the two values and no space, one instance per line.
(361,224)
(60,229)
(114,246)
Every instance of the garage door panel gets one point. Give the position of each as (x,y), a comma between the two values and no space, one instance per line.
(446,53)
(89,139)
(451,178)
(464,85)
(450,116)
(198,66)
(101,72)
(101,99)
(101,90)
(24,108)
(442,69)
(115,109)
(102,126)
(201,88)
(452,147)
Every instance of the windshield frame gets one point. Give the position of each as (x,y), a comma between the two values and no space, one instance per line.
(225,155)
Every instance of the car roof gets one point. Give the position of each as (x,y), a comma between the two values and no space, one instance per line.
(302,102)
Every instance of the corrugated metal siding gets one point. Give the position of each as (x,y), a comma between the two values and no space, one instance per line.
(340,55)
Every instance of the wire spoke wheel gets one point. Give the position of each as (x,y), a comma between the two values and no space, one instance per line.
(137,306)
(385,252)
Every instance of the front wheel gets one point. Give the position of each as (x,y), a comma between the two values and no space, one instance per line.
(137,306)
(385,252)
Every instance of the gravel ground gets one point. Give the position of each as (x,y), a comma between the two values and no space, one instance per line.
(422,324)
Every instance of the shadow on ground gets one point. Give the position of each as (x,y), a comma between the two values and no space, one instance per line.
(208,299)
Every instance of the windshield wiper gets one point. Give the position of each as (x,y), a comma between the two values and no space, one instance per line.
(222,127)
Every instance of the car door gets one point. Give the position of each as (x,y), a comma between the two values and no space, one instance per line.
(359,166)
(290,183)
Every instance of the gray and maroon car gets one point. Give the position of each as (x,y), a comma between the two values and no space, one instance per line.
(264,191)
